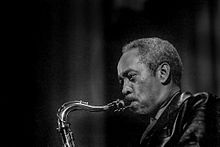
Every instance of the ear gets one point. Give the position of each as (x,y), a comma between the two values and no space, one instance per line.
(163,73)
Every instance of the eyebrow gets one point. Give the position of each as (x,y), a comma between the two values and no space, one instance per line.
(125,73)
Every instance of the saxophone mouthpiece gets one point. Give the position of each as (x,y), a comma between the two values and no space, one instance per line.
(119,105)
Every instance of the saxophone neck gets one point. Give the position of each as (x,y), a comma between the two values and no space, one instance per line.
(68,107)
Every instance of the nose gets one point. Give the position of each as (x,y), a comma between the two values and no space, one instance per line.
(126,88)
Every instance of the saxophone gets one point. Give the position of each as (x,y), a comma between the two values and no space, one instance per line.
(62,114)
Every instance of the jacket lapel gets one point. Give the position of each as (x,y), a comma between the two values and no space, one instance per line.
(169,113)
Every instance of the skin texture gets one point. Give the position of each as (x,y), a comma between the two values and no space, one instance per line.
(145,91)
(139,85)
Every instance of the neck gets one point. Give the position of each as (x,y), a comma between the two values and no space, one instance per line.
(167,92)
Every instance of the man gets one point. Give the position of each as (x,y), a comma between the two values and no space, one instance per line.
(150,73)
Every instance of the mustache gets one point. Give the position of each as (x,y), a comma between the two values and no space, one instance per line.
(130,98)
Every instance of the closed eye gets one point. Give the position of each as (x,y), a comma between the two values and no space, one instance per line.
(132,77)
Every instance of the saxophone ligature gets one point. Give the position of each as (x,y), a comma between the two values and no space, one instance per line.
(62,114)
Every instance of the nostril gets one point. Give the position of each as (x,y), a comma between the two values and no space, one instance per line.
(126,91)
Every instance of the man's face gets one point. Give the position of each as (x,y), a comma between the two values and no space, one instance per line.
(139,86)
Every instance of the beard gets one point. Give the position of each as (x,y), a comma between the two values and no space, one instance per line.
(146,107)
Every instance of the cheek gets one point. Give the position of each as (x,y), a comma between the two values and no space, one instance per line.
(142,91)
(144,87)
(146,92)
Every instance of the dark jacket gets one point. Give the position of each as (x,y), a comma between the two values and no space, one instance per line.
(190,120)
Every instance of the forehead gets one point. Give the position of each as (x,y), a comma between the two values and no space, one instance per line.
(129,61)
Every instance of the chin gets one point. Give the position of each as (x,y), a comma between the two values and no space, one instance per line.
(141,111)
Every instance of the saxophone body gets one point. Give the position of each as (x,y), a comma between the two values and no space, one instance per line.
(62,115)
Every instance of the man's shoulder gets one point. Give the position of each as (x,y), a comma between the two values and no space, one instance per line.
(205,96)
(201,118)
(199,98)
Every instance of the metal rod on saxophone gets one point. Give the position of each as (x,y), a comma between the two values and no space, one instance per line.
(66,108)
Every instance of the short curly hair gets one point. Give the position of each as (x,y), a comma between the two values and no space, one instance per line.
(155,51)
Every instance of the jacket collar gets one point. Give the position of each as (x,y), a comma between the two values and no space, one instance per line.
(169,112)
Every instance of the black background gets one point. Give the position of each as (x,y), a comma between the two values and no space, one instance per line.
(28,55)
